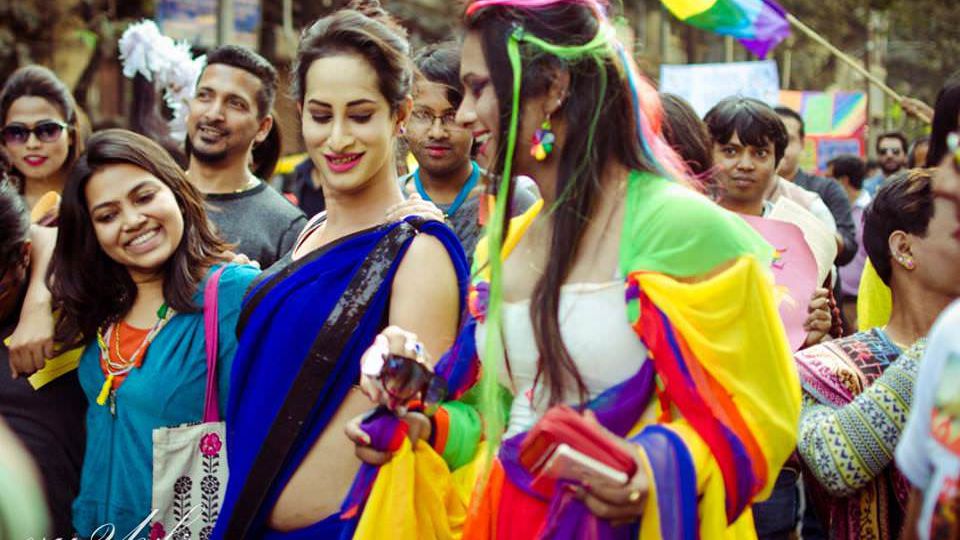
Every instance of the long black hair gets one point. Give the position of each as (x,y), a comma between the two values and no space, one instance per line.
(582,158)
(92,289)
(14,224)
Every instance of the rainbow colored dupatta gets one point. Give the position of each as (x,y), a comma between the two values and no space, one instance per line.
(713,411)
(700,296)
(732,415)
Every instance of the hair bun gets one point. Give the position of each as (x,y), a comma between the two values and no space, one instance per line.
(373,9)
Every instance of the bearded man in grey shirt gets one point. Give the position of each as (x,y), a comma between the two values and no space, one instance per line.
(229,121)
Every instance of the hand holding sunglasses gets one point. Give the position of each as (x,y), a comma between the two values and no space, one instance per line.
(396,380)
(46,131)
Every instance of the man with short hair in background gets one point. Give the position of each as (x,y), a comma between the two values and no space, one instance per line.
(891,155)
(848,171)
(447,174)
(830,192)
(228,124)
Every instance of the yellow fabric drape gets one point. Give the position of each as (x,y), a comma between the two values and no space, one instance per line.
(874,301)
(732,326)
(416,497)
(712,513)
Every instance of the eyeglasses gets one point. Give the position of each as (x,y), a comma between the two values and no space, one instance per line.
(403,378)
(423,119)
(46,131)
(893,151)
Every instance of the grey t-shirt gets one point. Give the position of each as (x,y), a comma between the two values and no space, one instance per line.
(262,223)
(465,222)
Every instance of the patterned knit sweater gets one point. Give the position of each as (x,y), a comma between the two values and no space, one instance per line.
(847,447)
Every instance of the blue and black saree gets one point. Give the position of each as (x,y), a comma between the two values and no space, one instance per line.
(278,333)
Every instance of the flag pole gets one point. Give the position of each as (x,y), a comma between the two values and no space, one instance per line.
(810,32)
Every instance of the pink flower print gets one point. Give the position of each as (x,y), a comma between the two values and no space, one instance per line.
(157,531)
(210,444)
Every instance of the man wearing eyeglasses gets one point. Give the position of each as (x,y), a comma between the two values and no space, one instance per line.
(892,156)
(447,175)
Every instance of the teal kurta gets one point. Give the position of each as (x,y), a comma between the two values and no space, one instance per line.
(167,390)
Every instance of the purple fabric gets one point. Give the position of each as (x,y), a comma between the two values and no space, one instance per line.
(383,429)
(770,27)
(574,521)
(510,459)
(675,481)
(620,407)
(386,431)
(850,273)
(460,366)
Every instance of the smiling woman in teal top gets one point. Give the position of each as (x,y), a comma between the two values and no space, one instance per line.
(131,260)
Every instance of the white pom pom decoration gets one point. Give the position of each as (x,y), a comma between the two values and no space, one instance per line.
(166,63)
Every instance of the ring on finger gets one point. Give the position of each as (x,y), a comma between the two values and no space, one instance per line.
(634,496)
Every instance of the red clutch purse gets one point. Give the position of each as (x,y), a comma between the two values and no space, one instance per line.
(563,425)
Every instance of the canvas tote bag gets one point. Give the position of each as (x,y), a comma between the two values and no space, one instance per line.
(190,461)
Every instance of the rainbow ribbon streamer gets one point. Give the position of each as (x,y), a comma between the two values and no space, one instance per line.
(758,24)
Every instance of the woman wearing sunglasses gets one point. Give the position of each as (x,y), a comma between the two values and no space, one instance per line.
(633,297)
(39,136)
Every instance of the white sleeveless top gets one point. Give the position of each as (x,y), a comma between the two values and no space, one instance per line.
(595,330)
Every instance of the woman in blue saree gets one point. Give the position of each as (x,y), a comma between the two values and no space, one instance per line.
(309,318)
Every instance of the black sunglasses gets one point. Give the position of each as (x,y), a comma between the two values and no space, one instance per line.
(46,131)
(403,378)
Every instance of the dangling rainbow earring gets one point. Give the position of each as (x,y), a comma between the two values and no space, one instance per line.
(543,140)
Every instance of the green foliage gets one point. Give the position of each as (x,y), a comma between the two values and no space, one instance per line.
(922,48)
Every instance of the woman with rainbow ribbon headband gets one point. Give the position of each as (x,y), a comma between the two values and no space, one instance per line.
(629,293)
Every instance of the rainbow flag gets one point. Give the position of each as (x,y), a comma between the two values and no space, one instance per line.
(758,24)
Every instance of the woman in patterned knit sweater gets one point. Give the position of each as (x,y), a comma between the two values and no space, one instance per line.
(858,390)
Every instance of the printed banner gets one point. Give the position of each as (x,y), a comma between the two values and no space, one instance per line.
(835,124)
(195,21)
(703,85)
